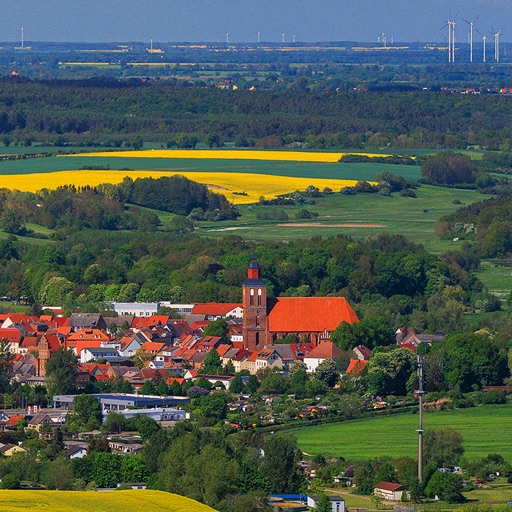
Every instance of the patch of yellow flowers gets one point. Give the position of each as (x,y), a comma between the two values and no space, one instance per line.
(232,154)
(72,501)
(240,188)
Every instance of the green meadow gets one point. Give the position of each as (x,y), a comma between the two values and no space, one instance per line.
(365,214)
(485,429)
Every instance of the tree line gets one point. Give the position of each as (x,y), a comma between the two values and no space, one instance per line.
(77,112)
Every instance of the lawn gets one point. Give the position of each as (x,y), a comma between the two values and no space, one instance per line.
(497,277)
(355,215)
(82,501)
(485,429)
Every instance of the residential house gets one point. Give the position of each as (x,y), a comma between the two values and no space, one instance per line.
(52,420)
(13,336)
(268,358)
(8,450)
(129,346)
(362,353)
(325,350)
(75,449)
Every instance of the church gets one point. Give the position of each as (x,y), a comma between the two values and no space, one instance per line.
(266,319)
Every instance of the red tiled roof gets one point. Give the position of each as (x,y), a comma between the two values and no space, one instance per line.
(150,321)
(11,422)
(214,308)
(308,314)
(388,486)
(356,366)
(80,345)
(53,342)
(325,350)
(88,334)
(201,324)
(152,347)
(29,342)
(222,349)
(179,380)
(10,334)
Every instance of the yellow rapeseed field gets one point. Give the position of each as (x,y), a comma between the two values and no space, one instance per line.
(232,154)
(252,186)
(82,501)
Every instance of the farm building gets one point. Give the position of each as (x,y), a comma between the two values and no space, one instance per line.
(389,491)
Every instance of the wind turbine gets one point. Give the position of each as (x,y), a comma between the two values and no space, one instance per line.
(471,24)
(496,44)
(484,39)
(451,39)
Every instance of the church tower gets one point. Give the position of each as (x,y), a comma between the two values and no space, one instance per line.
(254,303)
(43,356)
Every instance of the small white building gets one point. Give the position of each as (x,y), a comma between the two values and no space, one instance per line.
(337,503)
(389,491)
(135,308)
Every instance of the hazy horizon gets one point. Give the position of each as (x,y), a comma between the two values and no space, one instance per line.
(210,20)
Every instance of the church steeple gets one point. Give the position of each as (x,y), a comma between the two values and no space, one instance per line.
(254,269)
(254,304)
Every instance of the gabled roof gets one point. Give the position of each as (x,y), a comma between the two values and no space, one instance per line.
(214,308)
(13,420)
(85,320)
(293,351)
(325,350)
(151,321)
(308,314)
(389,486)
(152,347)
(266,353)
(241,355)
(88,334)
(11,334)
(364,351)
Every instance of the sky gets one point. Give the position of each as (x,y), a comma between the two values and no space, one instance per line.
(210,20)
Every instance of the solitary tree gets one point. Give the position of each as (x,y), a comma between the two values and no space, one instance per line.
(442,446)
(61,372)
(212,364)
(6,359)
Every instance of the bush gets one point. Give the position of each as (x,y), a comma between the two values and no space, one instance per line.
(10,481)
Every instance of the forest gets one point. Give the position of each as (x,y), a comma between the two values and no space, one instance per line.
(111,112)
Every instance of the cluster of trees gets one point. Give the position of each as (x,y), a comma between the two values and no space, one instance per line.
(458,170)
(111,207)
(73,112)
(383,276)
(202,463)
(487,222)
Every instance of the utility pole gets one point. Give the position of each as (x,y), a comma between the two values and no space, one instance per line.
(420,363)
